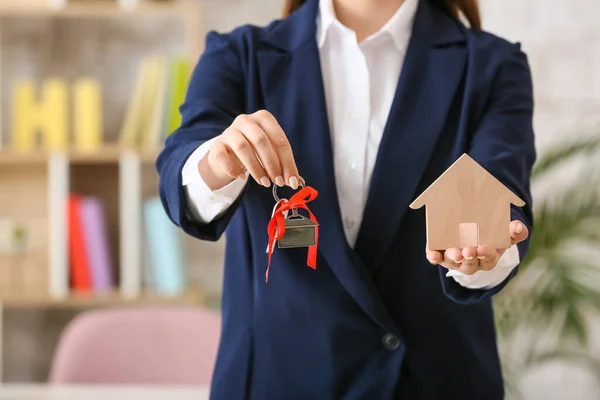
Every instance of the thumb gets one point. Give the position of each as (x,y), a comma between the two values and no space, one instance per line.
(518,232)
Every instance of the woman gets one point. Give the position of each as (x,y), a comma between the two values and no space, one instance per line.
(369,101)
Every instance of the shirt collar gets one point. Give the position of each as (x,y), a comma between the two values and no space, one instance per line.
(399,27)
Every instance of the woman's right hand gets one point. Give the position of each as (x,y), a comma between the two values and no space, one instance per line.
(254,143)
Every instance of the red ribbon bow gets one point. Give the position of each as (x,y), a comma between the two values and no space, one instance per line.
(276,228)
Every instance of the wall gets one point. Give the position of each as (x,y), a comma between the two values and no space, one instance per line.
(561,41)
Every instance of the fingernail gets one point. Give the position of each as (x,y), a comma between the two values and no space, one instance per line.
(458,262)
(481,257)
(279,181)
(433,262)
(294,182)
(265,181)
(241,176)
(519,228)
(468,258)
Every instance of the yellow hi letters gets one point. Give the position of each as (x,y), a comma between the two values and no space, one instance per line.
(87,114)
(49,117)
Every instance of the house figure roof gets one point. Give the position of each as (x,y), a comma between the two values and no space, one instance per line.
(464,178)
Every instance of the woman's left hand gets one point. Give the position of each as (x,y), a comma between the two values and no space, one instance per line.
(470,260)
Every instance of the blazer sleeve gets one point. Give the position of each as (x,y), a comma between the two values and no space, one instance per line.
(503,143)
(215,97)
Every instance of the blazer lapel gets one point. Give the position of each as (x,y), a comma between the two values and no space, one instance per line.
(292,85)
(433,68)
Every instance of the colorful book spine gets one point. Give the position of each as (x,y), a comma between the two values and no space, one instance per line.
(154,134)
(152,108)
(79,268)
(130,131)
(180,72)
(96,242)
(165,252)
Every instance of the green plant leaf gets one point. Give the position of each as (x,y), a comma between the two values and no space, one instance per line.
(565,152)
(554,289)
(576,357)
(542,314)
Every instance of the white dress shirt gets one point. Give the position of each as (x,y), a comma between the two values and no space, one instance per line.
(360,81)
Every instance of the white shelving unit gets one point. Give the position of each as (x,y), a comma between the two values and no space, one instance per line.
(44,180)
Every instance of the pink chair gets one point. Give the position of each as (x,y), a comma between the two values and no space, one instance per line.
(172,346)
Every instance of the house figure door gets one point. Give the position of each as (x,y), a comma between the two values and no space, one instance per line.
(468,234)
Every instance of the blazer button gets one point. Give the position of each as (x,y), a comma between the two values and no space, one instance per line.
(390,342)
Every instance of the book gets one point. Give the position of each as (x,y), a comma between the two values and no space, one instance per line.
(153,134)
(78,258)
(165,250)
(154,110)
(130,129)
(144,114)
(95,234)
(179,76)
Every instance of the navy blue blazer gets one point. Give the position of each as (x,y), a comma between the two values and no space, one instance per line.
(376,321)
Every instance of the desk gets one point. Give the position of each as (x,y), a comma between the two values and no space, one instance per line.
(83,392)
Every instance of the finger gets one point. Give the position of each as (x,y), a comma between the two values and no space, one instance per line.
(500,252)
(469,253)
(450,265)
(281,145)
(453,254)
(262,147)
(434,257)
(239,145)
(469,267)
(437,258)
(452,259)
(518,232)
(470,263)
(226,160)
(488,257)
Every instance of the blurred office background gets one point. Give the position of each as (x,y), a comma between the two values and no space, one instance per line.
(96,53)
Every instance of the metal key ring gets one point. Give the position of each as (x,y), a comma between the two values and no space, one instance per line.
(277,200)
(302,185)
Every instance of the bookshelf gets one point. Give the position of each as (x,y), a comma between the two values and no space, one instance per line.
(111,299)
(107,154)
(109,43)
(36,187)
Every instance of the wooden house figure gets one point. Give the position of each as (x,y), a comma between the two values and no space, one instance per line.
(466,207)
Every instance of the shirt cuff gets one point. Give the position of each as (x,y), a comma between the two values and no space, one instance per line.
(486,280)
(204,204)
